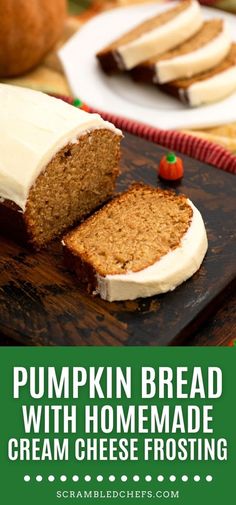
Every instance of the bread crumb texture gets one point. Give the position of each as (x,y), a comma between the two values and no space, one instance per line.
(131,232)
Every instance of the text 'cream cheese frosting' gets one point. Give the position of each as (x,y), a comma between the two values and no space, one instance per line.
(166,274)
(33,128)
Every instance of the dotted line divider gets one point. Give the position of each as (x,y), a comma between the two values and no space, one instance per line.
(123,478)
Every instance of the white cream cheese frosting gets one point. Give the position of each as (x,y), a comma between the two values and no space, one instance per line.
(213,89)
(33,128)
(189,64)
(166,274)
(161,39)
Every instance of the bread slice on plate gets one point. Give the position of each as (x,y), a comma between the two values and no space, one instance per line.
(144,242)
(207,87)
(206,49)
(154,36)
(57,164)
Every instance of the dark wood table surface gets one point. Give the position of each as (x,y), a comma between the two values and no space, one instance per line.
(208,187)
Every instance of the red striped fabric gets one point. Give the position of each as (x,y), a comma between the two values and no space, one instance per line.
(195,147)
(208,2)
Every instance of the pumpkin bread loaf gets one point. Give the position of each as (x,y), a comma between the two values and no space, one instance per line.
(144,242)
(57,164)
(156,35)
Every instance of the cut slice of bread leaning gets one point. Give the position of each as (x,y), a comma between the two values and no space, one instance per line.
(144,242)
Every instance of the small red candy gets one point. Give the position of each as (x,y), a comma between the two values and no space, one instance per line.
(85,107)
(171,167)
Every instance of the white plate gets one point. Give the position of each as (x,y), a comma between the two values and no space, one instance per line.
(119,95)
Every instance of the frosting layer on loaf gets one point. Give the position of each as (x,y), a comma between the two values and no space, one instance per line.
(33,128)
(166,274)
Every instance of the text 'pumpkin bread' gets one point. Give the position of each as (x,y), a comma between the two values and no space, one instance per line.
(57,164)
(144,242)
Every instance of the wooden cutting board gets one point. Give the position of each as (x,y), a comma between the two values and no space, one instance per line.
(41,303)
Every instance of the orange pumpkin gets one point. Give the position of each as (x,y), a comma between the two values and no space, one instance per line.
(171,167)
(28,30)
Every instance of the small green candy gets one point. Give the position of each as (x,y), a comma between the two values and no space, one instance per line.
(171,158)
(77,102)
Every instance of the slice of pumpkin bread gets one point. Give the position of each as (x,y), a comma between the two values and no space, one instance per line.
(153,36)
(144,242)
(202,52)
